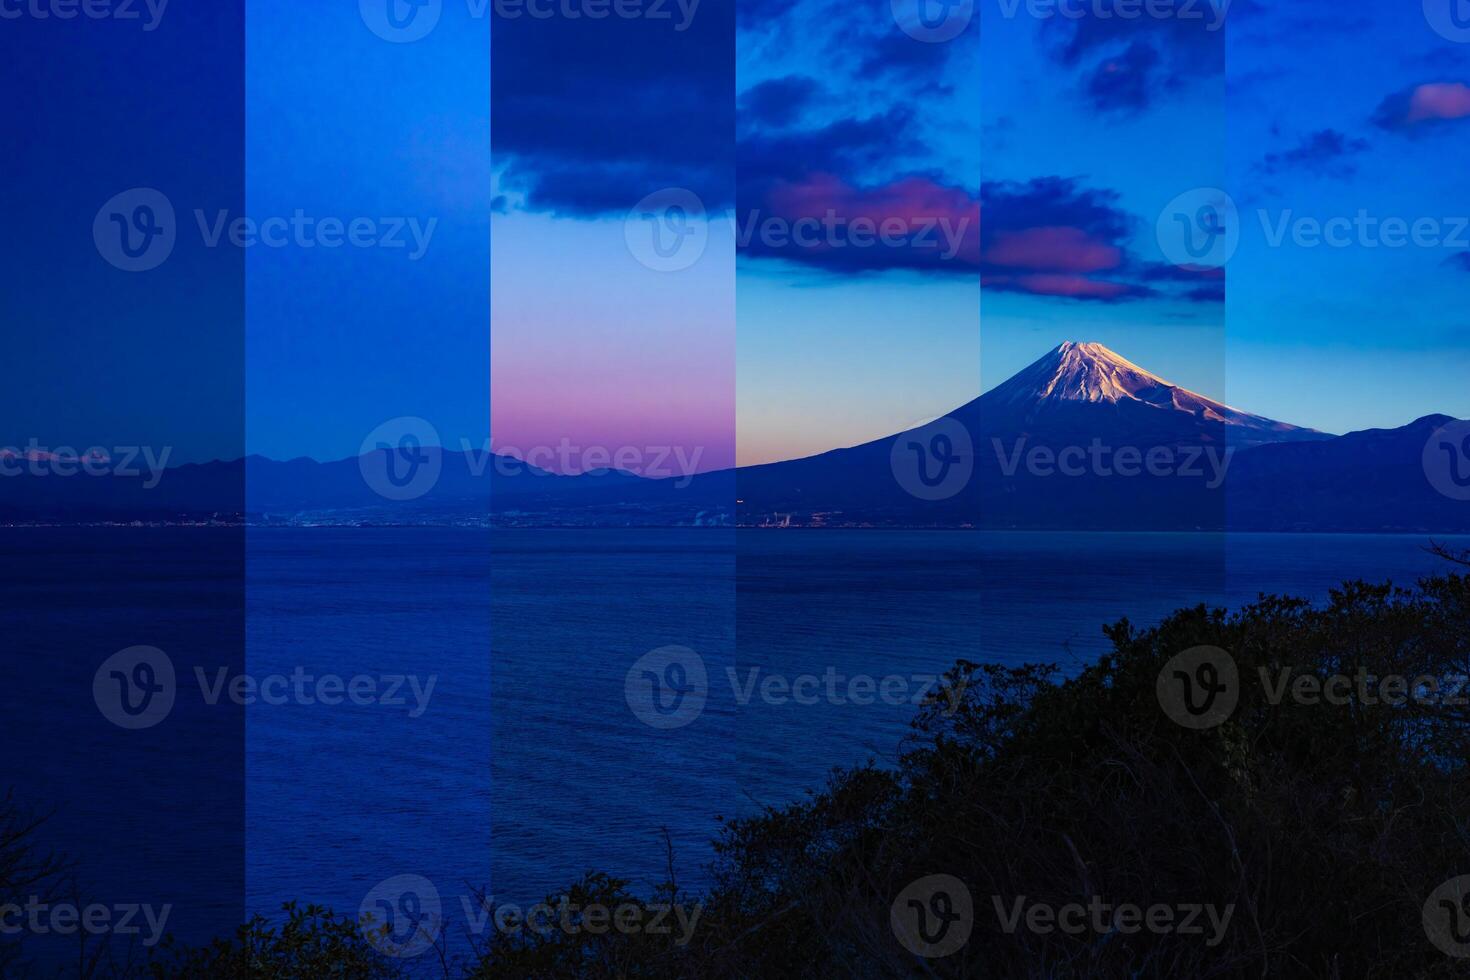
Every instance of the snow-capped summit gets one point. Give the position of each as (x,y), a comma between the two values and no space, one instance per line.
(1076,374)
(1085,372)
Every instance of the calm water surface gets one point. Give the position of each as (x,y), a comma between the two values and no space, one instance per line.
(524,766)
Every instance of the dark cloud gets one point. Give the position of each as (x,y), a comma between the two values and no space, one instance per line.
(1126,59)
(895,53)
(1045,237)
(589,116)
(1325,153)
(1199,285)
(761,15)
(778,102)
(1124,82)
(850,148)
(1188,41)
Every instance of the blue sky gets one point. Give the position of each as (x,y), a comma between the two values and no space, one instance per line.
(342,123)
(533,147)
(1347,338)
(1284,109)
(97,356)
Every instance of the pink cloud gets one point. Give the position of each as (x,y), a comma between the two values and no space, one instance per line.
(1424,105)
(1058,249)
(1441,100)
(920,207)
(1063,285)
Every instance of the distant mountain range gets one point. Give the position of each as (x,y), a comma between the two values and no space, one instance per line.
(1081,439)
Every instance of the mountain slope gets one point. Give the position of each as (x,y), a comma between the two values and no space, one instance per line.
(1087,385)
(1079,401)
(1374,480)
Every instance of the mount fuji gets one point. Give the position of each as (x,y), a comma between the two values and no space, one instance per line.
(1081,438)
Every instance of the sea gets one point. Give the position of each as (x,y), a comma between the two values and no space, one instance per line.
(475,713)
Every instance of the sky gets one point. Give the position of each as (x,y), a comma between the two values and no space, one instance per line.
(98,356)
(1078,137)
(649,232)
(343,123)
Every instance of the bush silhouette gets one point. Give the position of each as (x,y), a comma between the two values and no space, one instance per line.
(1323,826)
